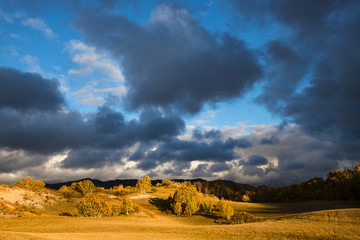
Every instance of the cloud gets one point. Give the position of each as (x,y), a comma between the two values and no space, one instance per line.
(87,158)
(256,160)
(311,75)
(17,160)
(172,61)
(7,17)
(39,24)
(27,91)
(33,63)
(89,59)
(176,150)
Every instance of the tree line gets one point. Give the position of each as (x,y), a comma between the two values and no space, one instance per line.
(339,185)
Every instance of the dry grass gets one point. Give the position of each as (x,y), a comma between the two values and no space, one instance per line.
(333,224)
(303,220)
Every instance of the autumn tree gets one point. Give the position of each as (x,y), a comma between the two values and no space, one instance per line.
(29,183)
(144,185)
(185,200)
(207,206)
(225,209)
(127,205)
(85,187)
(167,183)
(91,206)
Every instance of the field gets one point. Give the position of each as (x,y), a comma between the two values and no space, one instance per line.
(303,220)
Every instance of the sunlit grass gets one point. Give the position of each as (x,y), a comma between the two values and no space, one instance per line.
(300,220)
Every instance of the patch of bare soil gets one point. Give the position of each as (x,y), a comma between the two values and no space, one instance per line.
(25,197)
(141,196)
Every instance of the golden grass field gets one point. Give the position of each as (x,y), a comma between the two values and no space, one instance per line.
(304,220)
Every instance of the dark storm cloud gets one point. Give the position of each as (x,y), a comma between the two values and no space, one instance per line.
(313,74)
(272,140)
(284,71)
(256,160)
(219,167)
(202,171)
(90,139)
(172,61)
(293,166)
(306,18)
(88,158)
(28,91)
(187,151)
(51,132)
(198,134)
(13,161)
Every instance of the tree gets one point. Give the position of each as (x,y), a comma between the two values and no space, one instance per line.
(207,206)
(185,200)
(221,205)
(29,183)
(144,184)
(85,187)
(177,208)
(228,212)
(127,206)
(225,209)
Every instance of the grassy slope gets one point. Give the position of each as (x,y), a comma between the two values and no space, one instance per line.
(283,221)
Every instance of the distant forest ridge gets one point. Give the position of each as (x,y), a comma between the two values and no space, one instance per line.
(339,185)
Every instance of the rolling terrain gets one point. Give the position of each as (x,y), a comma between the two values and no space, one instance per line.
(300,220)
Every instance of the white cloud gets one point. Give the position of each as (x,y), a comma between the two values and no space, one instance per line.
(88,60)
(33,63)
(91,94)
(5,16)
(14,35)
(39,24)
(10,51)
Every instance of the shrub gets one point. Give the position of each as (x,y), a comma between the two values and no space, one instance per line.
(94,207)
(30,184)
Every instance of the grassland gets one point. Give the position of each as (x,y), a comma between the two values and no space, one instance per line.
(303,220)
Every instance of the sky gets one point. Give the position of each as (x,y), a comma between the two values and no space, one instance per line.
(257,92)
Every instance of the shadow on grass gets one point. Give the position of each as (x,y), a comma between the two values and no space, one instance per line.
(161,204)
(210,215)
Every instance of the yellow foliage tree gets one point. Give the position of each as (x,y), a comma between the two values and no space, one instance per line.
(85,187)
(185,200)
(144,185)
(29,183)
(127,206)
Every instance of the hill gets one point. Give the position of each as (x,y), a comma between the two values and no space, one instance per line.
(30,211)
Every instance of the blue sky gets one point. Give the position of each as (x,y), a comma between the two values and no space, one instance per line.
(178,89)
(44,47)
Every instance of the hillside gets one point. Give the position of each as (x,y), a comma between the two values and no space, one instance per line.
(41,213)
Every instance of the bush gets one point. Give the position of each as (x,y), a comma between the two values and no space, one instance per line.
(30,184)
(85,187)
(167,183)
(94,207)
(239,218)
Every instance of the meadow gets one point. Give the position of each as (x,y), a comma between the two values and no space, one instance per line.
(297,220)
